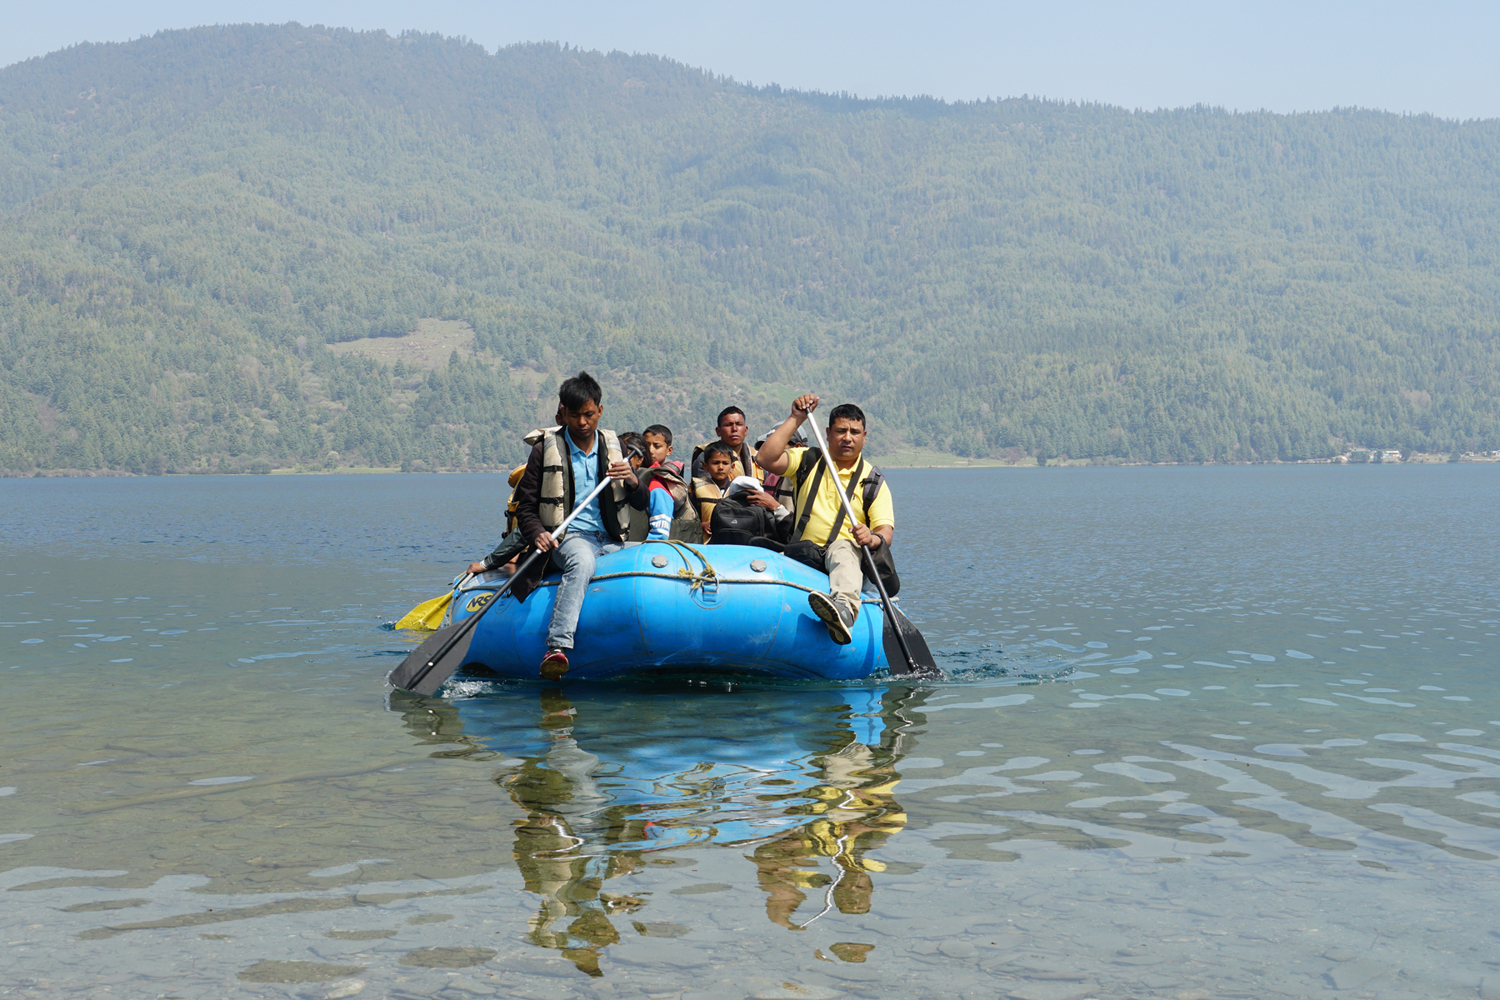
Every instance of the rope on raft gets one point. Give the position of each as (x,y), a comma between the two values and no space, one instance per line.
(696,578)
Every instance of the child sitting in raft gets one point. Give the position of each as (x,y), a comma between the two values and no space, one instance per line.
(657,440)
(629,440)
(663,494)
(635,451)
(718,473)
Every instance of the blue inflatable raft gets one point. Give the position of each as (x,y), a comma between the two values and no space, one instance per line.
(669,606)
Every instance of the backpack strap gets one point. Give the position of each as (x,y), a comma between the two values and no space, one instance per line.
(838,522)
(812,457)
(872,486)
(812,493)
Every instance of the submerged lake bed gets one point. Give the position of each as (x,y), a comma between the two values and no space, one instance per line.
(1208,732)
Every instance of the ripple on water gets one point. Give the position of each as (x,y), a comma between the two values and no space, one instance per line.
(564,835)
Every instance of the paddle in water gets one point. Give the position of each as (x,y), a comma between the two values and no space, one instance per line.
(909,665)
(426,668)
(429,614)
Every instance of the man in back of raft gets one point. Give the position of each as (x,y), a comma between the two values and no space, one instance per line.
(732,430)
(820,514)
(564,467)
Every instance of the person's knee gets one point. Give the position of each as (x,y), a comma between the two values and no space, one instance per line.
(840,553)
(578,557)
(566,558)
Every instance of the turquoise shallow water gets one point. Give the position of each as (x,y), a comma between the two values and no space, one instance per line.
(1211,733)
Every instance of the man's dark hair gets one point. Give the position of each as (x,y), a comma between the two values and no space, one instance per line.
(662,429)
(719,422)
(846,411)
(579,389)
(718,448)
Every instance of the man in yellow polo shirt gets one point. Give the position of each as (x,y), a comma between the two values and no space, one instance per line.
(819,514)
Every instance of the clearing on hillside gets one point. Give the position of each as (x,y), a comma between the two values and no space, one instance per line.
(428,346)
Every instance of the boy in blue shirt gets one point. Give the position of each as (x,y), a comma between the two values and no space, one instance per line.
(665,490)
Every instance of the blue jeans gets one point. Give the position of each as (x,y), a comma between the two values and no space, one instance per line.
(575,556)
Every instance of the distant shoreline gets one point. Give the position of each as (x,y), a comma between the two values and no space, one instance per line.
(1421,459)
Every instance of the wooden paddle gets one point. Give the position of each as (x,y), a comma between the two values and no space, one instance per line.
(924,668)
(426,668)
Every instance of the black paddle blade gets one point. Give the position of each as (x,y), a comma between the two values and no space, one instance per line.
(926,666)
(426,668)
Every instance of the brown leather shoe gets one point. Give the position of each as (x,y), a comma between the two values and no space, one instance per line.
(554,664)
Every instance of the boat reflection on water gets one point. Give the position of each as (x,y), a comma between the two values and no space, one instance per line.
(612,779)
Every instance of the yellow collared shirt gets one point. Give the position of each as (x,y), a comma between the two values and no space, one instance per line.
(826,504)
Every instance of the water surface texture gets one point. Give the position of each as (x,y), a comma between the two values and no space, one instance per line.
(1210,732)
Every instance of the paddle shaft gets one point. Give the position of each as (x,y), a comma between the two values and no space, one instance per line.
(869,557)
(468,624)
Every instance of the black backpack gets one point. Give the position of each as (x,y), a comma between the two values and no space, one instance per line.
(736,523)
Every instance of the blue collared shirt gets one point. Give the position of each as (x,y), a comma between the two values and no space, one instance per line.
(585,478)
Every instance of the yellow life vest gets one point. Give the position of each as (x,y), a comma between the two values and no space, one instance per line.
(706,494)
(513,503)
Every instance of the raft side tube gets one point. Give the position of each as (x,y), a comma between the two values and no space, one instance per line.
(733,608)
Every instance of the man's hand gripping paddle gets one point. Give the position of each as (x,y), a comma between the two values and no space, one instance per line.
(926,667)
(426,668)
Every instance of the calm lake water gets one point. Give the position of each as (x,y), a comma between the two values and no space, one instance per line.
(1210,732)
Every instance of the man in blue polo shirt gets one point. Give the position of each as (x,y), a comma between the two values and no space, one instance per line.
(550,487)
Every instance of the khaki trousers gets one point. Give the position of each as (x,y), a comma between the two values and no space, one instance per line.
(846,575)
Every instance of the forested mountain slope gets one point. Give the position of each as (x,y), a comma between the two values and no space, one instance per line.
(189,219)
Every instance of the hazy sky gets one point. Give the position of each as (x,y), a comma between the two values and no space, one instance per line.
(1437,56)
